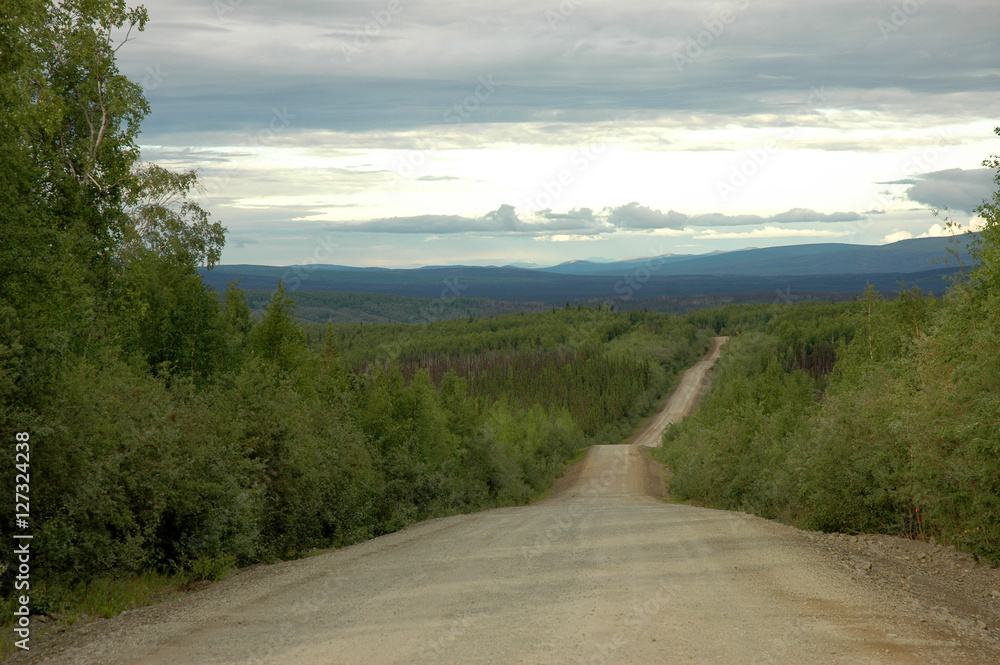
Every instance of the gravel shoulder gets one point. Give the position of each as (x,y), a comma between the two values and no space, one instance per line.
(599,572)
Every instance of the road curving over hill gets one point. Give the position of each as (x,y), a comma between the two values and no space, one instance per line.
(600,572)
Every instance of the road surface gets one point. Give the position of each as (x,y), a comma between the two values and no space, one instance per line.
(600,572)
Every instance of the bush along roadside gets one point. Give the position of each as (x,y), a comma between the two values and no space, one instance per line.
(900,435)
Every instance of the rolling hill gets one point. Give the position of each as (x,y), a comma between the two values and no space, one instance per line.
(905,256)
(825,270)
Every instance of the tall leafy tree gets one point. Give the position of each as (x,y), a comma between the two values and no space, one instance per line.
(95,246)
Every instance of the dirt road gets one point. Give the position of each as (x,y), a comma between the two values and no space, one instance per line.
(601,572)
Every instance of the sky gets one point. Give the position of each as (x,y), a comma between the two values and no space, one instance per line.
(401,133)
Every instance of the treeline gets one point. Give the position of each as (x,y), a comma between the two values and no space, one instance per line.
(605,369)
(374,308)
(596,389)
(257,447)
(336,307)
(899,435)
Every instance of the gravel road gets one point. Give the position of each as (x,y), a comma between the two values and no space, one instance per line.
(600,572)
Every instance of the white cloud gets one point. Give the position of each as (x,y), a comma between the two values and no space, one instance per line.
(669,232)
(405,138)
(937,231)
(637,216)
(567,238)
(770,232)
(896,236)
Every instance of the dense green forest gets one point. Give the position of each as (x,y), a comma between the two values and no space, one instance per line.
(636,288)
(174,434)
(879,416)
(339,307)
(335,307)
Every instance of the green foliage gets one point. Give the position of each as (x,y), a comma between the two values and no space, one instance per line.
(128,489)
(178,436)
(277,338)
(898,432)
(273,448)
(336,307)
(730,452)
(167,223)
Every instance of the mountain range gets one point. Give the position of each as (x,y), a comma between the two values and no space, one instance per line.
(905,256)
(837,269)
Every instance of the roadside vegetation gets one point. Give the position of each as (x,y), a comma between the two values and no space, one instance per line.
(175,434)
(877,416)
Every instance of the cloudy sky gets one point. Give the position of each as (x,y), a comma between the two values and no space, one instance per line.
(422,132)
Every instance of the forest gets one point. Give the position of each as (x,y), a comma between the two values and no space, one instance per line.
(336,307)
(174,433)
(874,416)
(170,461)
(178,433)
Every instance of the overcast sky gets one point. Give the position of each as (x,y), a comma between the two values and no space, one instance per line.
(416,132)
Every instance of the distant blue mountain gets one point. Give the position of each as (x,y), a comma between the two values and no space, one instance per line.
(839,270)
(905,256)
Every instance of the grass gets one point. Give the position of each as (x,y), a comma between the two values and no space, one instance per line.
(104,597)
(570,462)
